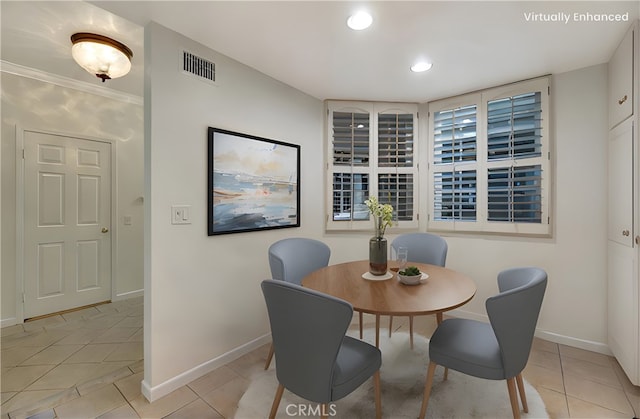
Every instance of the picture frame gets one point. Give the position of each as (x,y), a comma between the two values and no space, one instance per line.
(253,183)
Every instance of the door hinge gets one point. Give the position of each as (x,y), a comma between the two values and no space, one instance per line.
(23,298)
(23,154)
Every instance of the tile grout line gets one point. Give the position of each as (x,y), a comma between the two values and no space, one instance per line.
(564,386)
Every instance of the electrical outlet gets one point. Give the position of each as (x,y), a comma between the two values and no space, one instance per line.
(181,214)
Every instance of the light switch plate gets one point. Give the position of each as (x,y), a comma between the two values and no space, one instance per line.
(181,214)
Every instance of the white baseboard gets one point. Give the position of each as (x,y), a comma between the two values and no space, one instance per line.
(130,294)
(154,393)
(8,322)
(588,345)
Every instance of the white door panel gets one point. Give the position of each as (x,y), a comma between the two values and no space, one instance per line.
(623,308)
(621,184)
(67,213)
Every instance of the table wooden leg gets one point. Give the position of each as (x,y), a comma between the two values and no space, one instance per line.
(360,316)
(377,330)
(411,331)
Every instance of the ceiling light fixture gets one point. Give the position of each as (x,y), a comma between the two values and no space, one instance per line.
(421,67)
(100,55)
(359,21)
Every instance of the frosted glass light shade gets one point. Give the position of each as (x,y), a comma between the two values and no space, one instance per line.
(100,55)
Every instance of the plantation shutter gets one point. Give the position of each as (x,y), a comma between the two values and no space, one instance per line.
(489,165)
(455,144)
(515,194)
(396,150)
(350,149)
(350,139)
(455,196)
(455,135)
(514,133)
(514,127)
(371,151)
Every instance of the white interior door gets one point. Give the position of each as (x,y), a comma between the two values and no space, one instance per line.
(67,214)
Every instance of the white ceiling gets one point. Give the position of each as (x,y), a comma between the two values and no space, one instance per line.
(307,45)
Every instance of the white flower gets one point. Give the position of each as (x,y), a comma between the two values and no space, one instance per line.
(384,212)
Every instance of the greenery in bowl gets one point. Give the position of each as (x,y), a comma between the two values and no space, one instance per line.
(410,271)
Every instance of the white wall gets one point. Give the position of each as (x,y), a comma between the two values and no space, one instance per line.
(202,294)
(203,304)
(39,105)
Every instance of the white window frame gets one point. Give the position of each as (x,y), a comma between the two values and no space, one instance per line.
(482,165)
(373,109)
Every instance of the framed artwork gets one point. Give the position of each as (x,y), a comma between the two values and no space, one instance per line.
(253,183)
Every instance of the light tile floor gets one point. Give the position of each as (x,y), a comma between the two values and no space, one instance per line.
(88,364)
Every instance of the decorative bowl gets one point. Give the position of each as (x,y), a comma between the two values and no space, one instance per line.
(410,279)
(411,276)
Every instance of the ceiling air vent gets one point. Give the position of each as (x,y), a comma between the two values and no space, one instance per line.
(198,66)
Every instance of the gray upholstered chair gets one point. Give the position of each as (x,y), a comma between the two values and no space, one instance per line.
(421,248)
(498,350)
(314,357)
(294,258)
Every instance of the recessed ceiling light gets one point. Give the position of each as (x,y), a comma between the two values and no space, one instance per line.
(359,21)
(421,66)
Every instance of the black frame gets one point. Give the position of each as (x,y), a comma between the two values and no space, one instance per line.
(225,206)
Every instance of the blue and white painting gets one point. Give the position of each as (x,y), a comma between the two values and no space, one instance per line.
(253,183)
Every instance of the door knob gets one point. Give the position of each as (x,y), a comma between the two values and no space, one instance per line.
(105,230)
(624,233)
(622,100)
(637,239)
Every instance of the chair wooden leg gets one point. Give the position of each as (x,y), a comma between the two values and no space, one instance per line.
(411,331)
(376,389)
(523,396)
(276,401)
(513,397)
(446,370)
(360,316)
(390,324)
(266,366)
(427,389)
(377,330)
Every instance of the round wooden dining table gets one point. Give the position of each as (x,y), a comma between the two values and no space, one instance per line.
(444,290)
